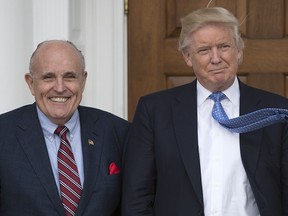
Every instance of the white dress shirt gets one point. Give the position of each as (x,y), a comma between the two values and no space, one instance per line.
(226,189)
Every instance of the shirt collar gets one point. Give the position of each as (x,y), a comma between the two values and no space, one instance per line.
(232,93)
(49,127)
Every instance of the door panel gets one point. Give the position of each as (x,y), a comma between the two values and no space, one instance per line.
(154,62)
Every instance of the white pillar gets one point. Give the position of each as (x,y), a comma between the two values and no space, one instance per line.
(16,38)
(50,20)
(105,43)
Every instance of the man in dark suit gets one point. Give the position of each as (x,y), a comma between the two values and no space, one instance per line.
(30,182)
(179,161)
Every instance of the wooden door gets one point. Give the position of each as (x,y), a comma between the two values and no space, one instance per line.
(154,62)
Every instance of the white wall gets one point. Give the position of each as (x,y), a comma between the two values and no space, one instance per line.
(97,27)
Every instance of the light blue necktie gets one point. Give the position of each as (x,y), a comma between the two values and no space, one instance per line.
(248,122)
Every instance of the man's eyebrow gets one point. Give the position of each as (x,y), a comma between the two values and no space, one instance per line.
(48,73)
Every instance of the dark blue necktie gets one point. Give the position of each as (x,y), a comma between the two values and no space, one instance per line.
(248,122)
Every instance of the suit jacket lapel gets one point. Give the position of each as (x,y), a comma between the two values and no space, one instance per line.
(185,122)
(249,142)
(31,138)
(92,143)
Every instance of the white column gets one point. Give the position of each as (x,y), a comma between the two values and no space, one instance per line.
(50,20)
(16,24)
(105,43)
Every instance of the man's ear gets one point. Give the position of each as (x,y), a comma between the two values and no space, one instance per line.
(240,56)
(84,80)
(187,58)
(29,81)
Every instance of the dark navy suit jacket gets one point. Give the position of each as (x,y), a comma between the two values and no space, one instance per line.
(27,184)
(161,164)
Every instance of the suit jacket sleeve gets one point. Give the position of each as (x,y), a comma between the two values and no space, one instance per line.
(284,165)
(139,166)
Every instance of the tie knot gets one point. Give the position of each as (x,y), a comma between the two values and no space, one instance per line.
(217,96)
(60,130)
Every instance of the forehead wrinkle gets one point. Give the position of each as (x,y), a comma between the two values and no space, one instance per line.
(202,41)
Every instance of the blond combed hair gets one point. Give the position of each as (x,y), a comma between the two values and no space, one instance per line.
(205,16)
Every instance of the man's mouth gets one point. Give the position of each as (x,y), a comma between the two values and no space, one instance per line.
(217,70)
(59,99)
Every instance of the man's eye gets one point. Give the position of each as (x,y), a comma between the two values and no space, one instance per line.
(47,77)
(203,51)
(70,76)
(225,46)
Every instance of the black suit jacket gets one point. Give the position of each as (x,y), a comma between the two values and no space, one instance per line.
(162,168)
(27,184)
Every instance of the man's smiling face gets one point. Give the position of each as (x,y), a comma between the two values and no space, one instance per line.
(57,80)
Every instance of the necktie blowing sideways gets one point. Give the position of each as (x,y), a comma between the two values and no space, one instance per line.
(248,122)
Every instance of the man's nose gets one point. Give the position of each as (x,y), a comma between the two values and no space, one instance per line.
(59,85)
(215,55)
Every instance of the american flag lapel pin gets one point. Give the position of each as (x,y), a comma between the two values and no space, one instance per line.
(90,142)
